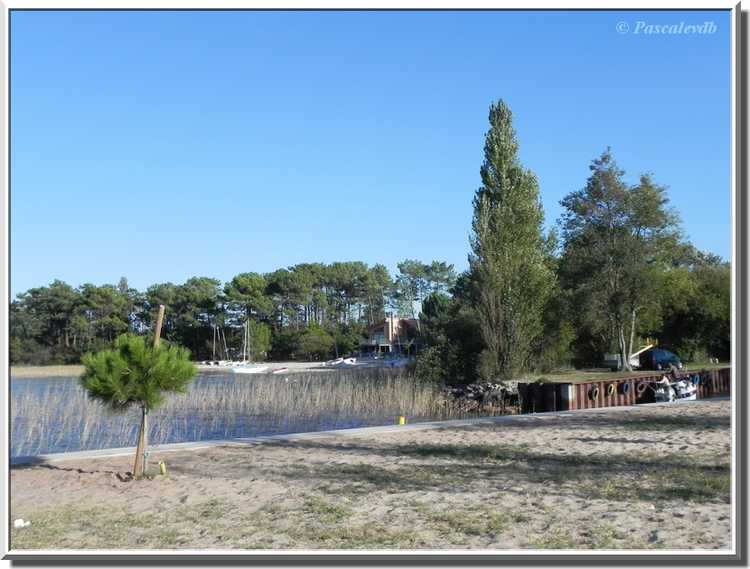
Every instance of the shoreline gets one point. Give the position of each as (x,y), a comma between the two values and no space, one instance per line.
(65,371)
(62,371)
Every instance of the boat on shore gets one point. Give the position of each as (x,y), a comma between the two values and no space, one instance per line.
(246,366)
(685,389)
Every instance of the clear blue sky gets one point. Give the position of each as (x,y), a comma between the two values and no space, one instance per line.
(163,145)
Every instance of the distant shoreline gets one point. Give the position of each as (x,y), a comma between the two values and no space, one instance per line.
(74,370)
(61,371)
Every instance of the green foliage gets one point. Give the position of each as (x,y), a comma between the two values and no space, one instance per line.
(136,373)
(696,308)
(618,240)
(454,344)
(508,259)
(431,364)
(260,340)
(285,344)
(347,338)
(247,292)
(57,324)
(416,280)
(315,343)
(436,318)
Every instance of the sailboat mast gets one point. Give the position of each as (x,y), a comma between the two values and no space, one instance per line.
(213,346)
(244,343)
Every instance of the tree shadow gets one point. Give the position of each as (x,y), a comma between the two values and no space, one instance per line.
(618,440)
(466,468)
(28,463)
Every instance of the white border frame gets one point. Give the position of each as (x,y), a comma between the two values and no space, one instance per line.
(603,555)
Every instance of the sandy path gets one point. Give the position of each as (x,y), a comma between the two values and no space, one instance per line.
(646,477)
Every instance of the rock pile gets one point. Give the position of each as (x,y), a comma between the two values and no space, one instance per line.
(484,397)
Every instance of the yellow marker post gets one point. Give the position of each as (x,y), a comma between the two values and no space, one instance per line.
(163,468)
(401,420)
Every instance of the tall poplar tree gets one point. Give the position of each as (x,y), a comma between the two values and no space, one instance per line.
(508,263)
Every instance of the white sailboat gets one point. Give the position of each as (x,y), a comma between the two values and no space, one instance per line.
(246,366)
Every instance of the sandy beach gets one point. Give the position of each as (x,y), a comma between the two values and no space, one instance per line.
(642,477)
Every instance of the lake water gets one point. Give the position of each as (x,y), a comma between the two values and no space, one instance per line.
(52,415)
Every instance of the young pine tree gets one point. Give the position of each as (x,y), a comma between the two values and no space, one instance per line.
(135,373)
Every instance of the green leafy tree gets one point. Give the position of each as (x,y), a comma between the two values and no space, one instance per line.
(450,332)
(696,309)
(507,261)
(135,373)
(285,344)
(315,343)
(618,240)
(347,338)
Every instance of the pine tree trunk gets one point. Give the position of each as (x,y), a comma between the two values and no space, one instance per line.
(139,466)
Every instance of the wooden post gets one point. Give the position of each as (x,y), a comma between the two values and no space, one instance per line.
(157,330)
(139,467)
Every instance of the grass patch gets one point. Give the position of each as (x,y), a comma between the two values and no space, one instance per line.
(324,511)
(93,528)
(459,523)
(655,482)
(601,536)
(365,536)
(317,523)
(557,539)
(468,452)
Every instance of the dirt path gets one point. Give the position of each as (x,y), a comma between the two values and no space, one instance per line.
(646,477)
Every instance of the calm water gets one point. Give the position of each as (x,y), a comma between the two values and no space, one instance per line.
(50,415)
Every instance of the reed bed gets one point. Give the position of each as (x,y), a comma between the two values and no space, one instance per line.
(59,417)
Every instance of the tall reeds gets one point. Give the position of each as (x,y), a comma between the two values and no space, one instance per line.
(58,417)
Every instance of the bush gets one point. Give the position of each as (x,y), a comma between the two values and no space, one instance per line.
(285,344)
(315,343)
(347,338)
(430,365)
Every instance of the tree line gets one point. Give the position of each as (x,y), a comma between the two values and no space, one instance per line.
(615,271)
(310,310)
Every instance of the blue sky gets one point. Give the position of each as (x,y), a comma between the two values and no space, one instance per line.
(164,145)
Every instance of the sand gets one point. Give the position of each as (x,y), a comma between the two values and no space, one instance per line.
(645,477)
